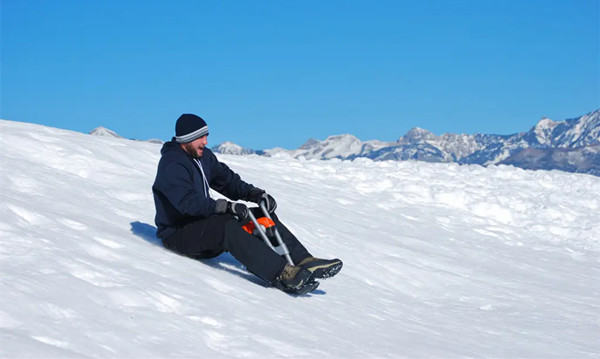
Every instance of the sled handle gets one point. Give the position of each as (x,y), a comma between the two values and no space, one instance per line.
(286,252)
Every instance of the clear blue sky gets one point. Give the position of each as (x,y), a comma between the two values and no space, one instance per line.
(276,73)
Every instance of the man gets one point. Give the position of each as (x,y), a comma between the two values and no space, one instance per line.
(193,224)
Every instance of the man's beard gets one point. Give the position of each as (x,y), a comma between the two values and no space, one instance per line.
(192,150)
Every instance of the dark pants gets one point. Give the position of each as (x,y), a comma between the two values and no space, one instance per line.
(207,238)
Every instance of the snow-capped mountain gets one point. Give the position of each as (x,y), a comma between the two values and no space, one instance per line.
(577,132)
(486,149)
(423,145)
(561,145)
(543,131)
(103,131)
(552,140)
(341,146)
(230,148)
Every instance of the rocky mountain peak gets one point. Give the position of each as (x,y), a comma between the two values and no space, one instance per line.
(543,130)
(417,135)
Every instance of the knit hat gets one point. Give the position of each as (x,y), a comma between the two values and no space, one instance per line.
(189,127)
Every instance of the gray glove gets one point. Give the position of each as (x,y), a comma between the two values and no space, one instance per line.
(239,210)
(258,195)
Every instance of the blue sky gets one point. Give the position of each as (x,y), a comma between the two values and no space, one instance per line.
(276,73)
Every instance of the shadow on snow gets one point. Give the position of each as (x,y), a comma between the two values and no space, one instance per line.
(224,261)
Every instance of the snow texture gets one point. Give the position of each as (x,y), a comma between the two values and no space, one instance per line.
(441,260)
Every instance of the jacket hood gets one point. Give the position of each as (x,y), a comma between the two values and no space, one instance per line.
(171,147)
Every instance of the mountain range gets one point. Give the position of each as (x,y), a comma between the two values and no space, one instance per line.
(572,145)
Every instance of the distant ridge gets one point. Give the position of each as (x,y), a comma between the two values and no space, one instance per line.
(570,145)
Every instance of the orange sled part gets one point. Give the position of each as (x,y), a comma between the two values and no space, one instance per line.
(263,221)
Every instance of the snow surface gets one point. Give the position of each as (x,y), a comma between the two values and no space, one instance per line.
(440,260)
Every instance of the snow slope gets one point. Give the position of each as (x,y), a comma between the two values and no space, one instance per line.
(441,260)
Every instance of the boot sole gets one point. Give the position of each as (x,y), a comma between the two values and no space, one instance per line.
(306,283)
(302,289)
(306,288)
(325,271)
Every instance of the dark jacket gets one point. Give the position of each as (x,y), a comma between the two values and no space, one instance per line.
(179,194)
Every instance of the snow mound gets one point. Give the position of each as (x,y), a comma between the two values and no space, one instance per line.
(441,260)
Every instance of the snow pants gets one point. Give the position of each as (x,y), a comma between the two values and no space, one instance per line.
(207,238)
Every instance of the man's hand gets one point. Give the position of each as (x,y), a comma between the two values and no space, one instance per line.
(237,209)
(269,202)
(258,195)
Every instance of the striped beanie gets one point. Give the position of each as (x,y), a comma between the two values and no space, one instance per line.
(189,127)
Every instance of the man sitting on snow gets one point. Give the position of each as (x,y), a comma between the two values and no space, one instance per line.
(193,224)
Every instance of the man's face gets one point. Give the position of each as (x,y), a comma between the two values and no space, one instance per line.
(196,147)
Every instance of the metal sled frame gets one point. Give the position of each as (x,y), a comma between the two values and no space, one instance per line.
(281,249)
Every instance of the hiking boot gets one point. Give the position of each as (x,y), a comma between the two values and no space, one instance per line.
(322,268)
(296,280)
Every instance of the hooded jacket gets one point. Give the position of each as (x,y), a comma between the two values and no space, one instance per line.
(179,189)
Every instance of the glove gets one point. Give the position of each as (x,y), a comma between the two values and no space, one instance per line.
(258,195)
(237,209)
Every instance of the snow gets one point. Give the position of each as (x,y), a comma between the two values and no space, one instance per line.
(440,260)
